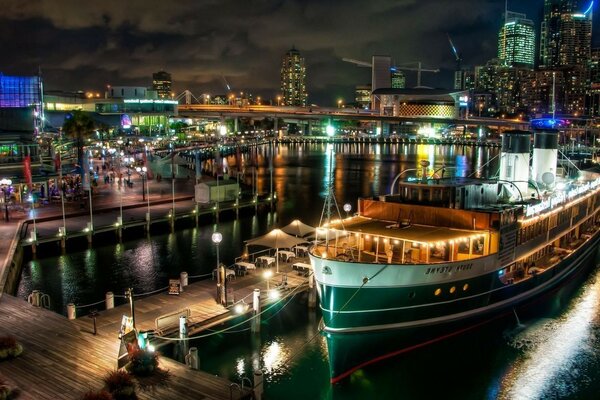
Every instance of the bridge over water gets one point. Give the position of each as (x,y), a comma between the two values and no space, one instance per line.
(308,115)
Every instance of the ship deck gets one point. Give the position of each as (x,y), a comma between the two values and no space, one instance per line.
(422,234)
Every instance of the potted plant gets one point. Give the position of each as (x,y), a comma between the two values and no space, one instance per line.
(101,395)
(142,362)
(9,347)
(120,384)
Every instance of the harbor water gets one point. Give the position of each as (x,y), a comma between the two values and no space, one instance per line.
(550,353)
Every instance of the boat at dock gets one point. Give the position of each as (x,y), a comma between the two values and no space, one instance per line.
(443,255)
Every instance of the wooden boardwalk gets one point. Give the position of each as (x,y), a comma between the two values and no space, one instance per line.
(63,359)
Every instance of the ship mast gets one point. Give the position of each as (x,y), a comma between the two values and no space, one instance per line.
(330,206)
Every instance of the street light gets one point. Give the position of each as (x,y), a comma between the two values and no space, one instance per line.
(34,233)
(347,208)
(142,172)
(5,185)
(339,102)
(278,100)
(217,237)
(145,194)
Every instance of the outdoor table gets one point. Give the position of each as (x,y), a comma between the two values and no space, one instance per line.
(285,255)
(302,267)
(266,261)
(229,273)
(243,267)
(301,250)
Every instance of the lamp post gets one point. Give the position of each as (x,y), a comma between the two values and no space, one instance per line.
(145,191)
(278,101)
(34,233)
(5,184)
(268,274)
(217,237)
(142,172)
(347,208)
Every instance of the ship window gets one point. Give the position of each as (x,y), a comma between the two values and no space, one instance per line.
(465,287)
(453,289)
(438,291)
(412,295)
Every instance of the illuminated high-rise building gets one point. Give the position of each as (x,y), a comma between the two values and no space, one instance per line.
(161,83)
(566,33)
(293,79)
(516,41)
(398,79)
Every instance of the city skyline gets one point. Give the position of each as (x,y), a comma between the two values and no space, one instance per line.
(201,44)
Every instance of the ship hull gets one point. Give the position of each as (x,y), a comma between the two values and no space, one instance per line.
(366,332)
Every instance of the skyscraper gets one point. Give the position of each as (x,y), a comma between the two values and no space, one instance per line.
(398,79)
(516,41)
(293,79)
(161,82)
(566,33)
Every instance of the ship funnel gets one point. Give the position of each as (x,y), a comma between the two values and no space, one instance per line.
(545,156)
(514,161)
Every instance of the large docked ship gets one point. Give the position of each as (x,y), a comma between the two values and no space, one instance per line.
(445,254)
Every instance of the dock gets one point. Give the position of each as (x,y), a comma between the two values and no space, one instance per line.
(63,358)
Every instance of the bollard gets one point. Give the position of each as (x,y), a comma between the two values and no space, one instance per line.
(34,298)
(312,292)
(71,311)
(258,384)
(256,311)
(192,359)
(110,300)
(183,279)
(182,327)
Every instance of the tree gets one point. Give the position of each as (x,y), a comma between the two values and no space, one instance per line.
(79,127)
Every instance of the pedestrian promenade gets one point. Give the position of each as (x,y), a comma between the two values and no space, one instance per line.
(62,358)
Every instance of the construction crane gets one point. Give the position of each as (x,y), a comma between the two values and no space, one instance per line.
(418,68)
(455,52)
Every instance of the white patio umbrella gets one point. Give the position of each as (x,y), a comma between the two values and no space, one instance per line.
(298,228)
(276,239)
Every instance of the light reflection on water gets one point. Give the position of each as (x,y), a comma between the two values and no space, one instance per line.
(559,365)
(556,352)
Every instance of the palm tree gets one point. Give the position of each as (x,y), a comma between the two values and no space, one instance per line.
(79,127)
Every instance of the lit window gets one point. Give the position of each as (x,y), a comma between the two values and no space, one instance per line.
(452,289)
(438,292)
(465,287)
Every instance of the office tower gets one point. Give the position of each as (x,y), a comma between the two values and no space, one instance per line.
(293,79)
(362,95)
(516,41)
(398,79)
(161,83)
(566,33)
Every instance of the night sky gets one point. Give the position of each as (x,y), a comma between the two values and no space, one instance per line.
(87,44)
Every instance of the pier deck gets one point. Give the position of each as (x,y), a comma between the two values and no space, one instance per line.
(63,358)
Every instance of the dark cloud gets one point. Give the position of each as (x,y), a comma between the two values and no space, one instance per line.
(88,44)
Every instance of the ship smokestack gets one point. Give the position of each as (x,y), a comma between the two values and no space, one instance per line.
(545,157)
(514,161)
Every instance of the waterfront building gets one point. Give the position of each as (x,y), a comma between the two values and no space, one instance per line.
(293,79)
(21,115)
(362,96)
(420,102)
(161,83)
(516,41)
(130,109)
